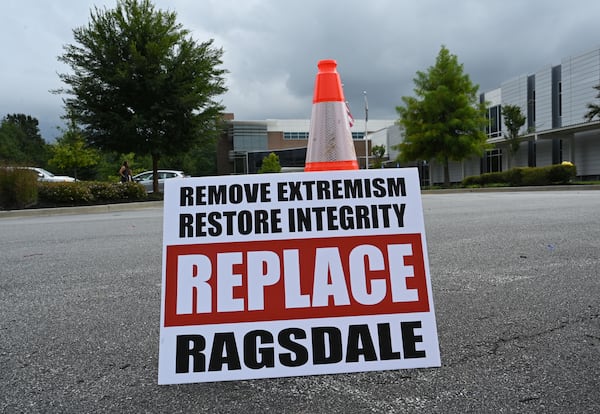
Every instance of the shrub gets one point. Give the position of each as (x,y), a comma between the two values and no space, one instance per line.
(492,178)
(103,191)
(472,181)
(156,196)
(270,164)
(131,191)
(526,176)
(65,193)
(562,174)
(18,188)
(514,176)
(533,176)
(92,192)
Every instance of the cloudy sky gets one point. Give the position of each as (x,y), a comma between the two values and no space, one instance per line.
(271,47)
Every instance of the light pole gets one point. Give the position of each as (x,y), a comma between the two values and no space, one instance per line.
(366,141)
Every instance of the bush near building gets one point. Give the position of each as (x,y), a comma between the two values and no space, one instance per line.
(525,176)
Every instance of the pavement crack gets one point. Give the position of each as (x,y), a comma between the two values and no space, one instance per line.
(528,399)
(563,324)
(487,348)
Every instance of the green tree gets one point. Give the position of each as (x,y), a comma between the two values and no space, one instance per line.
(270,164)
(21,141)
(109,164)
(513,120)
(10,149)
(200,159)
(141,84)
(593,109)
(378,152)
(444,121)
(71,153)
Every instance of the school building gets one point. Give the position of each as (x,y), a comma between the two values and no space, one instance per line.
(244,144)
(554,100)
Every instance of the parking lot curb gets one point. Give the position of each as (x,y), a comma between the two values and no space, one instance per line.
(584,187)
(102,208)
(106,208)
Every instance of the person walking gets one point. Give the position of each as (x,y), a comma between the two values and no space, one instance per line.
(125,172)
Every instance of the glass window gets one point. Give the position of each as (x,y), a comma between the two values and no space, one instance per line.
(295,135)
(559,98)
(494,127)
(493,160)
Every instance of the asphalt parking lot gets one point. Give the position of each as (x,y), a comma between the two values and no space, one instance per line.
(516,290)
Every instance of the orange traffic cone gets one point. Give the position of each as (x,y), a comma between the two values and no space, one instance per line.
(330,145)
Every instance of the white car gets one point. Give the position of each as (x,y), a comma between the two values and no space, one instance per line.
(145,178)
(47,176)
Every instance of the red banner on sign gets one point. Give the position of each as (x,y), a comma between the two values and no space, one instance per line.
(294,279)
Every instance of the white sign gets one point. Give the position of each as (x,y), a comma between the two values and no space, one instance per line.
(273,275)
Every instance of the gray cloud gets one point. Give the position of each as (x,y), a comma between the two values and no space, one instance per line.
(271,48)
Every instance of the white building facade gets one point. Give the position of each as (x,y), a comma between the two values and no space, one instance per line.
(555,102)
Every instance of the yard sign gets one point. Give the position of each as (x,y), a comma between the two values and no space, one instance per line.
(273,275)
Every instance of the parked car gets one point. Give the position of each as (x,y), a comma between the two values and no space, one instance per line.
(47,176)
(145,178)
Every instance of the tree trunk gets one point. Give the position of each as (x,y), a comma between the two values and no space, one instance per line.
(446,173)
(155,158)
